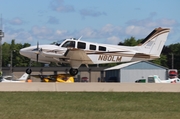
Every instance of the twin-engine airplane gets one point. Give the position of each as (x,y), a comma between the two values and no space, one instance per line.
(77,52)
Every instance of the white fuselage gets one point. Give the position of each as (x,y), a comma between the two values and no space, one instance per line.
(97,53)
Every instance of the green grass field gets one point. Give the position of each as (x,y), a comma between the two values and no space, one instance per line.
(89,105)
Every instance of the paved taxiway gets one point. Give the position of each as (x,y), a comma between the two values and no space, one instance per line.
(90,87)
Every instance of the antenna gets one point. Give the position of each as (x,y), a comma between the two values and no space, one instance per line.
(80,38)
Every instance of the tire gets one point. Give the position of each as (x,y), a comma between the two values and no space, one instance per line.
(28,71)
(73,72)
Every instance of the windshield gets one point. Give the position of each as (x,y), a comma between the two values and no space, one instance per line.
(58,43)
(69,44)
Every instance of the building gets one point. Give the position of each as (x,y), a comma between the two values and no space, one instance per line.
(130,72)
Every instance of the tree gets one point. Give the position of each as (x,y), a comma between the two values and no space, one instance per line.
(174,56)
(161,61)
(17,58)
(131,42)
(5,54)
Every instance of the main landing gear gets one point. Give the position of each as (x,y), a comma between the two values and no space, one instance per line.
(73,72)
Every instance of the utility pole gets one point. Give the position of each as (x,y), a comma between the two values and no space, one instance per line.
(1,36)
(172,67)
(11,62)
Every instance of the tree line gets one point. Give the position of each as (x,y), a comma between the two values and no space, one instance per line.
(170,56)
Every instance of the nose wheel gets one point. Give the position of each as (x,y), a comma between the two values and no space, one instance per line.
(73,72)
(28,71)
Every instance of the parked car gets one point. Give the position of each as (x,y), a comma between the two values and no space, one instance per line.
(84,79)
(140,81)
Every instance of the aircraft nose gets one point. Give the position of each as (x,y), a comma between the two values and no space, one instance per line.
(23,51)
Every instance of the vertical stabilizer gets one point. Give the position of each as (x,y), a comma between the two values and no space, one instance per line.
(156,79)
(24,77)
(154,42)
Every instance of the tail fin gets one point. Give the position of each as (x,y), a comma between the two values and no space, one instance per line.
(24,77)
(154,42)
(156,79)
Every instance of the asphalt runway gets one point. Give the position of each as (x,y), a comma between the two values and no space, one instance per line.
(90,87)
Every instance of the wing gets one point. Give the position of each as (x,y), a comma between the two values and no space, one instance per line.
(77,57)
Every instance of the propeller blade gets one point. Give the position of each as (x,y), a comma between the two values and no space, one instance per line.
(38,45)
(37,56)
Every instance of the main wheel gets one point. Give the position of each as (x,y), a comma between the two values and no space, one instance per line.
(73,72)
(28,70)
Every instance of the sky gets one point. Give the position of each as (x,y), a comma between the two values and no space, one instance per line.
(100,21)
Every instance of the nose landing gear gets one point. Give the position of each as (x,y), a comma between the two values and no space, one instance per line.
(28,71)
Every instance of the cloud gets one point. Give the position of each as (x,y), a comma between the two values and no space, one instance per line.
(141,28)
(16,21)
(48,34)
(58,5)
(109,29)
(53,20)
(90,12)
(137,31)
(108,33)
(151,23)
(37,33)
(105,31)
(20,36)
(41,32)
(88,32)
(167,22)
(113,40)
(60,32)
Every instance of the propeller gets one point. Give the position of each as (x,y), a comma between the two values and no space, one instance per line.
(37,56)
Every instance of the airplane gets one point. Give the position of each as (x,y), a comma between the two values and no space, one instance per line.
(158,80)
(23,78)
(77,52)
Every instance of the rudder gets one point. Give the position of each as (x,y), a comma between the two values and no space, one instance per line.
(24,77)
(154,42)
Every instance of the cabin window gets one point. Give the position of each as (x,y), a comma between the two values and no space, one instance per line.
(101,48)
(92,47)
(81,45)
(69,44)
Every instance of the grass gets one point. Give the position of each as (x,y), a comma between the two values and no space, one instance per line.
(89,105)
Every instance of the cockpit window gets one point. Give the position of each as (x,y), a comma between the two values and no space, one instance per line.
(101,48)
(69,44)
(58,43)
(81,45)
